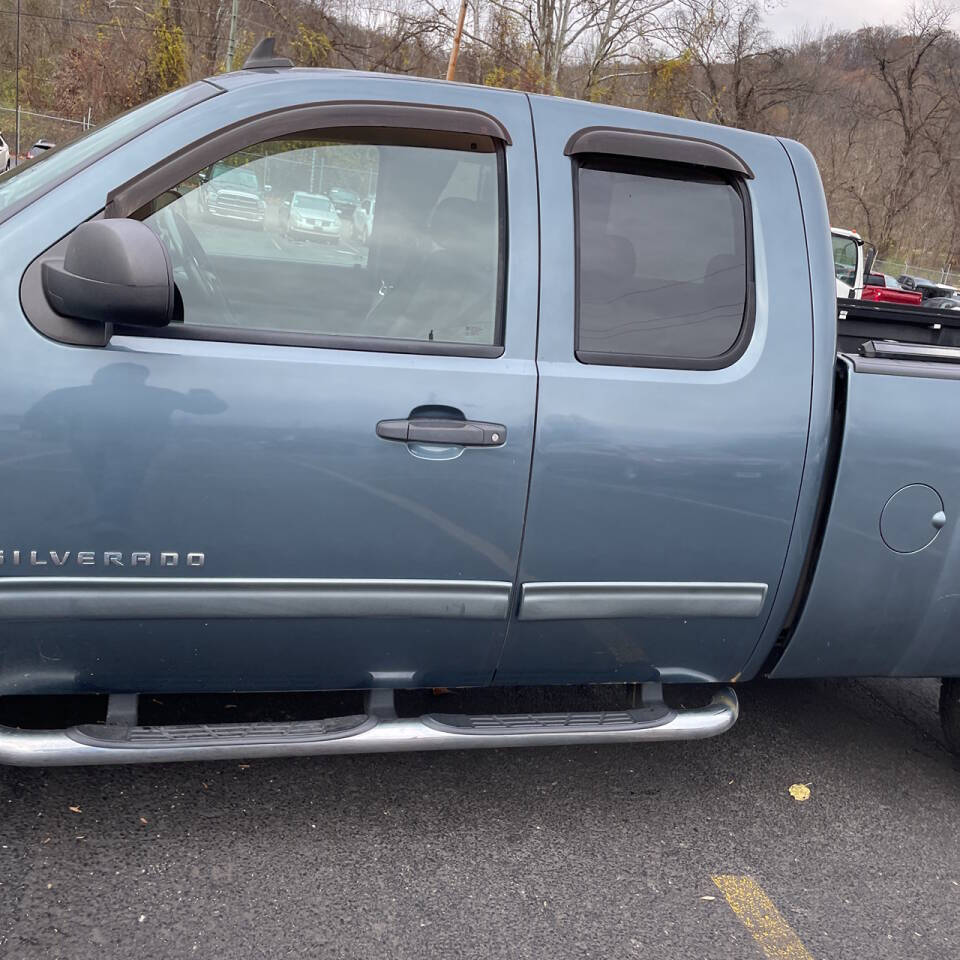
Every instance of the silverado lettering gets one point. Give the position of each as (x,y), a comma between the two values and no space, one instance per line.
(108,558)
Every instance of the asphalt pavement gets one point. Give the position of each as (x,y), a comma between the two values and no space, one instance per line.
(588,852)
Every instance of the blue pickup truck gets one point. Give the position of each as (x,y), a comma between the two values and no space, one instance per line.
(577,409)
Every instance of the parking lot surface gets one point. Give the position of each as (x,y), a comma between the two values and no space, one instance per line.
(547,853)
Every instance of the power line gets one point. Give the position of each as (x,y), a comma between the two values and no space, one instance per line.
(102,23)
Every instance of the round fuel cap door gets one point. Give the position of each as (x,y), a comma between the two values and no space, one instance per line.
(912,518)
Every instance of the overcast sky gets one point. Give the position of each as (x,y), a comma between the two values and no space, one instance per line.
(783,21)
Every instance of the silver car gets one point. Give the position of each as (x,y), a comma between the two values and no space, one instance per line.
(312,216)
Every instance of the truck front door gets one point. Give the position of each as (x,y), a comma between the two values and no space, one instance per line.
(316,479)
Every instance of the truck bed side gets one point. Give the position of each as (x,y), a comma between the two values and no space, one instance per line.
(883,600)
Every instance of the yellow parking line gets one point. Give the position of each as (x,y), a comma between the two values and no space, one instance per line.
(756,911)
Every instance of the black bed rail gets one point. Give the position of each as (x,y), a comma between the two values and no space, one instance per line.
(861,320)
(895,312)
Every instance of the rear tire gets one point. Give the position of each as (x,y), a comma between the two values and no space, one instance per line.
(950,712)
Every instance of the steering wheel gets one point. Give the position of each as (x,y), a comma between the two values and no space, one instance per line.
(203,278)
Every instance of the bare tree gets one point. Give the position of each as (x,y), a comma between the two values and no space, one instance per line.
(737,78)
(899,112)
(559,33)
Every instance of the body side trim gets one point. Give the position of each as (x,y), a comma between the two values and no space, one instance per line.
(112,598)
(603,601)
(323,341)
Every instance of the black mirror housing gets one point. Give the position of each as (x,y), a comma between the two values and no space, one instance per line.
(113,271)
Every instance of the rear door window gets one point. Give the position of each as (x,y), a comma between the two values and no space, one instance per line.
(664,273)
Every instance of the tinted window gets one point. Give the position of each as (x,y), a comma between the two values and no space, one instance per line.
(273,238)
(662,265)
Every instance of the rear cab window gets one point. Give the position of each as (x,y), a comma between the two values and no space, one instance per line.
(665,268)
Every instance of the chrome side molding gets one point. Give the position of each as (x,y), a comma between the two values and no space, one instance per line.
(609,600)
(112,744)
(144,598)
(58,598)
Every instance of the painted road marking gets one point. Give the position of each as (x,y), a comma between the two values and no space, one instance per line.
(757,913)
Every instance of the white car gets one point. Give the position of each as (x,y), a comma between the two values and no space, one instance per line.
(4,154)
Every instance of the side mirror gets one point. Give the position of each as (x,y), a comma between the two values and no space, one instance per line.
(203,176)
(113,271)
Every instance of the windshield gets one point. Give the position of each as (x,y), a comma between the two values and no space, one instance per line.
(304,201)
(845,259)
(30,179)
(239,178)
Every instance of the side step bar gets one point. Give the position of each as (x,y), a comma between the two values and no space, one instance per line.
(363,733)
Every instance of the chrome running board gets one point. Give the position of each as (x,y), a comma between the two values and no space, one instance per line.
(363,733)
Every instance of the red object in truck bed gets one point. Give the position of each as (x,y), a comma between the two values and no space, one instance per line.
(890,295)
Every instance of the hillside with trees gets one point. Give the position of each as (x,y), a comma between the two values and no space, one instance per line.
(879,107)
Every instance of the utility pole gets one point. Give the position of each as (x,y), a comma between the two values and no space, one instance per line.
(458,35)
(232,42)
(16,95)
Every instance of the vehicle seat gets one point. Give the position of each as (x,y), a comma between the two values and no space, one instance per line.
(450,295)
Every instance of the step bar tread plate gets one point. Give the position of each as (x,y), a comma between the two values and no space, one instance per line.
(206,734)
(544,722)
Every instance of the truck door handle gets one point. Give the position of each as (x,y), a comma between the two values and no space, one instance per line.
(461,433)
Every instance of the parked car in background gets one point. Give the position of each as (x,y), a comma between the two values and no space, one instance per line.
(311,216)
(363,220)
(943,303)
(882,288)
(346,201)
(927,288)
(4,154)
(233,194)
(39,149)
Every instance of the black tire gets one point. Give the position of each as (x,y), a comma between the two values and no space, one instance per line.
(950,712)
